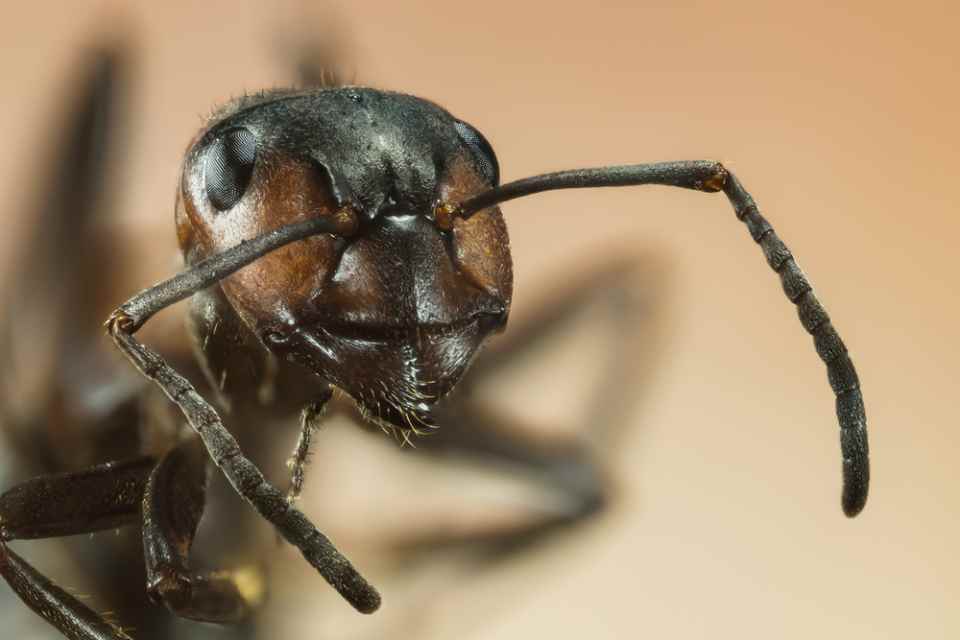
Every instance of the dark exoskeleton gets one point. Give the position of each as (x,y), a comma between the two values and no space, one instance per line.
(335,238)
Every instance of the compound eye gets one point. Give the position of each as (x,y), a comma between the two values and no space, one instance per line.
(228,167)
(482,152)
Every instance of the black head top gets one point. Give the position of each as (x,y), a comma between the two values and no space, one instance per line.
(382,151)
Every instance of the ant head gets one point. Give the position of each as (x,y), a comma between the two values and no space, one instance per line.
(393,309)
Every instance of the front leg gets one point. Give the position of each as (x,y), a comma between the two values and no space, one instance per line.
(309,422)
(245,477)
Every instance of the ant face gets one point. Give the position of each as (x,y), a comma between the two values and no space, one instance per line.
(392,311)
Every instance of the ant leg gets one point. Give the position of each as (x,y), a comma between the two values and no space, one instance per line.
(48,302)
(568,479)
(309,422)
(315,62)
(570,471)
(103,497)
(65,612)
(223,448)
(318,64)
(173,504)
(629,303)
(570,475)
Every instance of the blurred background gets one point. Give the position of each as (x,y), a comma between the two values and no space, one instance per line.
(724,516)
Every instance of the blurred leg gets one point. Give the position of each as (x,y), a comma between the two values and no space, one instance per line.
(102,497)
(173,504)
(572,469)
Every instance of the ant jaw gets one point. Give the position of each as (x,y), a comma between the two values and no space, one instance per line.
(400,421)
(395,375)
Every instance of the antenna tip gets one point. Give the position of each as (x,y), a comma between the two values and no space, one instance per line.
(855,494)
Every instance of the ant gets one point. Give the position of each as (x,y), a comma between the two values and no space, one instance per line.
(335,238)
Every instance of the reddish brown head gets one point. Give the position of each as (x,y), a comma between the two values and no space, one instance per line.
(391,311)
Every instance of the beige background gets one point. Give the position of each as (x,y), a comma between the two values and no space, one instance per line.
(840,120)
